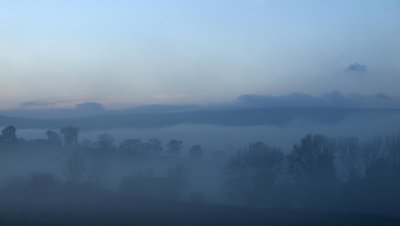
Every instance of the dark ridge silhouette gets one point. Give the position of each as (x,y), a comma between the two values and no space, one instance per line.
(234,117)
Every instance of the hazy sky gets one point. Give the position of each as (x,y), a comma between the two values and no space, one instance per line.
(130,52)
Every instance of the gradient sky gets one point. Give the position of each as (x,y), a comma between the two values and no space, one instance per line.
(131,52)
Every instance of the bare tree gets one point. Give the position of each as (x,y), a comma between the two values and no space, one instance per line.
(69,135)
(348,149)
(253,172)
(97,171)
(393,152)
(155,146)
(8,135)
(53,138)
(132,146)
(174,147)
(105,141)
(178,176)
(312,161)
(196,151)
(74,168)
(374,157)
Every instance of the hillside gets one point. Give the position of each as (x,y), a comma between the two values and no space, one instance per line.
(225,117)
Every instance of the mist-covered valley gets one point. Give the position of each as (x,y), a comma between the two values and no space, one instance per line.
(338,164)
(227,112)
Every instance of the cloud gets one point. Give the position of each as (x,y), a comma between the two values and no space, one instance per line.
(33,105)
(47,104)
(357,68)
(57,104)
(90,106)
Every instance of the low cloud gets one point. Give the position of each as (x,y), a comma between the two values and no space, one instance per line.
(90,106)
(60,104)
(34,105)
(48,104)
(357,68)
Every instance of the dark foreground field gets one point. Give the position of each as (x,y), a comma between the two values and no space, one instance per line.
(128,212)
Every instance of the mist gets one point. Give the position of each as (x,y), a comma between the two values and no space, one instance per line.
(200,166)
(229,112)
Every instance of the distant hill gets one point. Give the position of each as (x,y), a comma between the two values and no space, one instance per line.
(225,117)
(333,99)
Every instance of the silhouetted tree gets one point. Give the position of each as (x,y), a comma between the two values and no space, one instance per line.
(97,171)
(312,161)
(375,189)
(69,135)
(174,147)
(312,169)
(178,175)
(74,167)
(374,158)
(196,151)
(8,135)
(105,141)
(393,149)
(132,146)
(155,146)
(348,151)
(253,172)
(393,156)
(53,138)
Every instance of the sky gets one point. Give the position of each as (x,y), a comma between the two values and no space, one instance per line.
(125,53)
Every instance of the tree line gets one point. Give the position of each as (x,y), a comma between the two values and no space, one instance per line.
(341,174)
(69,137)
(319,172)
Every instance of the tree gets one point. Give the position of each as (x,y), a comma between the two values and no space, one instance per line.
(97,170)
(8,134)
(174,147)
(196,151)
(74,167)
(312,161)
(133,146)
(311,167)
(155,146)
(393,149)
(105,141)
(348,149)
(252,172)
(393,156)
(69,135)
(53,138)
(377,191)
(178,176)
(374,158)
